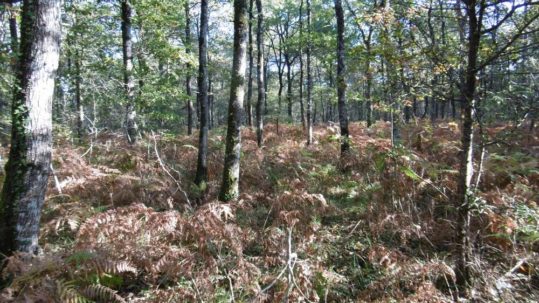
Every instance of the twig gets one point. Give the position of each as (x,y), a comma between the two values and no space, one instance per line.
(199,297)
(267,217)
(56,181)
(519,263)
(89,149)
(231,286)
(271,284)
(168,172)
(290,266)
(292,257)
(299,289)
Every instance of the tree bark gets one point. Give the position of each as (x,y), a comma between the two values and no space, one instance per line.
(309,78)
(14,37)
(464,245)
(301,78)
(210,102)
(190,120)
(129,80)
(202,165)
(27,169)
(341,82)
(14,44)
(251,64)
(289,92)
(231,171)
(280,71)
(260,73)
(78,96)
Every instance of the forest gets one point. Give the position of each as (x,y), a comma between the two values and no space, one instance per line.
(269,151)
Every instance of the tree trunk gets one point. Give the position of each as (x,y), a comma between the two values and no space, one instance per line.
(464,245)
(289,85)
(190,120)
(251,64)
(266,81)
(14,37)
(78,96)
(301,78)
(210,102)
(260,73)
(341,82)
(278,54)
(369,87)
(426,109)
(281,86)
(202,165)
(129,80)
(309,78)
(14,44)
(27,169)
(231,171)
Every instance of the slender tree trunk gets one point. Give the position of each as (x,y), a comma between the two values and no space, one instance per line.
(27,169)
(14,37)
(251,65)
(266,81)
(190,120)
(78,96)
(281,86)
(289,85)
(278,54)
(309,78)
(14,43)
(426,109)
(210,102)
(414,107)
(301,76)
(260,73)
(464,247)
(231,171)
(129,80)
(453,106)
(341,81)
(202,165)
(369,89)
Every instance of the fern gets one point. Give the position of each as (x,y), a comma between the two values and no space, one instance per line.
(65,290)
(112,267)
(102,293)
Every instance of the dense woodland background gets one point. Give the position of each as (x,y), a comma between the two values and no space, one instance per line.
(269,151)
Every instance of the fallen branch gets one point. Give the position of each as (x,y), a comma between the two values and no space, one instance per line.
(163,166)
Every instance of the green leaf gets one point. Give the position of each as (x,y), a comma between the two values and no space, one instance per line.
(410,173)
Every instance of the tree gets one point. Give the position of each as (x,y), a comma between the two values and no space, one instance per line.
(187,42)
(27,169)
(202,165)
(129,80)
(301,76)
(14,41)
(260,73)
(250,83)
(309,78)
(231,171)
(463,272)
(341,81)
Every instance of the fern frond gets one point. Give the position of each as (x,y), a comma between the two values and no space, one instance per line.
(102,293)
(113,267)
(65,290)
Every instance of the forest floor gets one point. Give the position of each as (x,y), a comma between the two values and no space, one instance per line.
(377,226)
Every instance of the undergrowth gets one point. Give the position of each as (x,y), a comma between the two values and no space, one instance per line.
(124,225)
